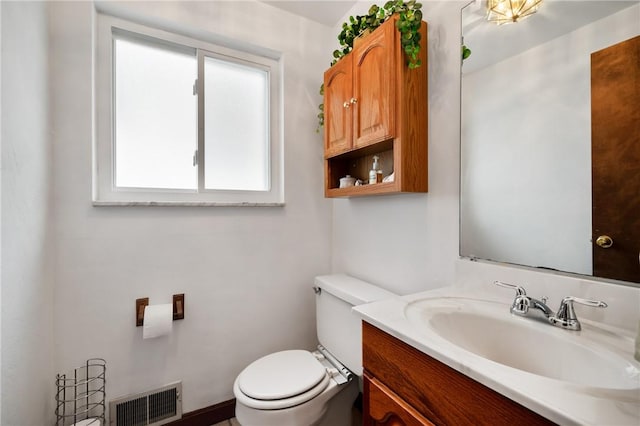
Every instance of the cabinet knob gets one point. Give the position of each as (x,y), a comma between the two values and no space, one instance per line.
(353,100)
(346,104)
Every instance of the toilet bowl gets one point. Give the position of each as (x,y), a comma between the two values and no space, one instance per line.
(266,396)
(303,388)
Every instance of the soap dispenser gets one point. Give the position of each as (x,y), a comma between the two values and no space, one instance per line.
(375,174)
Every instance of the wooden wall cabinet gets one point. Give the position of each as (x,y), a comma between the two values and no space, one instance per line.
(375,105)
(405,387)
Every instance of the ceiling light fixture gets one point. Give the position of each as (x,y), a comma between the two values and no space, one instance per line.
(507,11)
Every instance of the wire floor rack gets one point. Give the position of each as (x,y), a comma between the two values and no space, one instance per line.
(80,395)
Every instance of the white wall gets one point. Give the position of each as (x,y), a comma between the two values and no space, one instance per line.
(409,242)
(0,210)
(246,272)
(27,274)
(527,157)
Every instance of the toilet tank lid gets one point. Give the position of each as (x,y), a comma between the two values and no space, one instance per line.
(352,290)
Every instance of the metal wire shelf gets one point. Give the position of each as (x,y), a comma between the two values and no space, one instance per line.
(80,395)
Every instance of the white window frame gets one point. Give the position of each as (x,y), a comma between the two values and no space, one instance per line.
(105,192)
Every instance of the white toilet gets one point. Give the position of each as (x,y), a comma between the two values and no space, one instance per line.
(302,388)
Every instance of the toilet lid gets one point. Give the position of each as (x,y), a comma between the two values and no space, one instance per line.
(281,375)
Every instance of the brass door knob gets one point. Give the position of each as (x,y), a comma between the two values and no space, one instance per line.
(604,241)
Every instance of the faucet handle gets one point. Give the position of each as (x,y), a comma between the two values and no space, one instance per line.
(521,303)
(566,316)
(587,302)
(520,291)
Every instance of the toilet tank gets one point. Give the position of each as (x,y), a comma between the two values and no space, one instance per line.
(339,329)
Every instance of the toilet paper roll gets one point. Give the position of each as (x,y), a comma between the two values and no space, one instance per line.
(158,320)
(92,421)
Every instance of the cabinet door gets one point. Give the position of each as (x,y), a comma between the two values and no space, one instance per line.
(384,407)
(337,109)
(374,83)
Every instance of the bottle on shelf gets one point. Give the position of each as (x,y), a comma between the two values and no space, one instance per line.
(375,174)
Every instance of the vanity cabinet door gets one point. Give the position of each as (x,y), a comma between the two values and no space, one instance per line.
(338,84)
(384,408)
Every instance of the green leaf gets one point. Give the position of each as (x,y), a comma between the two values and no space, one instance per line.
(466,52)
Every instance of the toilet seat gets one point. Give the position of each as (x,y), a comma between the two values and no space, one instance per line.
(281,380)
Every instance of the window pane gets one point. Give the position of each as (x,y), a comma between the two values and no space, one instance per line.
(155,116)
(236,136)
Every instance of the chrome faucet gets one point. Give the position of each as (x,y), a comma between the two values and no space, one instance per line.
(522,303)
(564,318)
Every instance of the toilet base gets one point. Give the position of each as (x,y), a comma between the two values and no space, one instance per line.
(340,410)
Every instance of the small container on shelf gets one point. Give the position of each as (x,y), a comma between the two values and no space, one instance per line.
(347,181)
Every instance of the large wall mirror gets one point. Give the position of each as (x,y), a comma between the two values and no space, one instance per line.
(550,138)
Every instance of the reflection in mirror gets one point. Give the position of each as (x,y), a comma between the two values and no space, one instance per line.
(532,106)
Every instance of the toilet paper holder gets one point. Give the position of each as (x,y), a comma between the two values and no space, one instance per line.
(178,308)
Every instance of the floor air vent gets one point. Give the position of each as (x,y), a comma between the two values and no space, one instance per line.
(155,407)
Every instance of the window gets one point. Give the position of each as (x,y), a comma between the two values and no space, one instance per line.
(184,121)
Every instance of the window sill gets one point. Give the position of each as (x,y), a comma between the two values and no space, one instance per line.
(180,204)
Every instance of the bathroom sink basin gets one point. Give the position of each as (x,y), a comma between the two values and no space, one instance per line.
(488,330)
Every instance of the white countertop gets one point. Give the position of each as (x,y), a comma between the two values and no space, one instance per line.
(561,402)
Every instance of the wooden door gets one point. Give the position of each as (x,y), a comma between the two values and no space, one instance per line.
(615,157)
(382,407)
(338,87)
(374,86)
